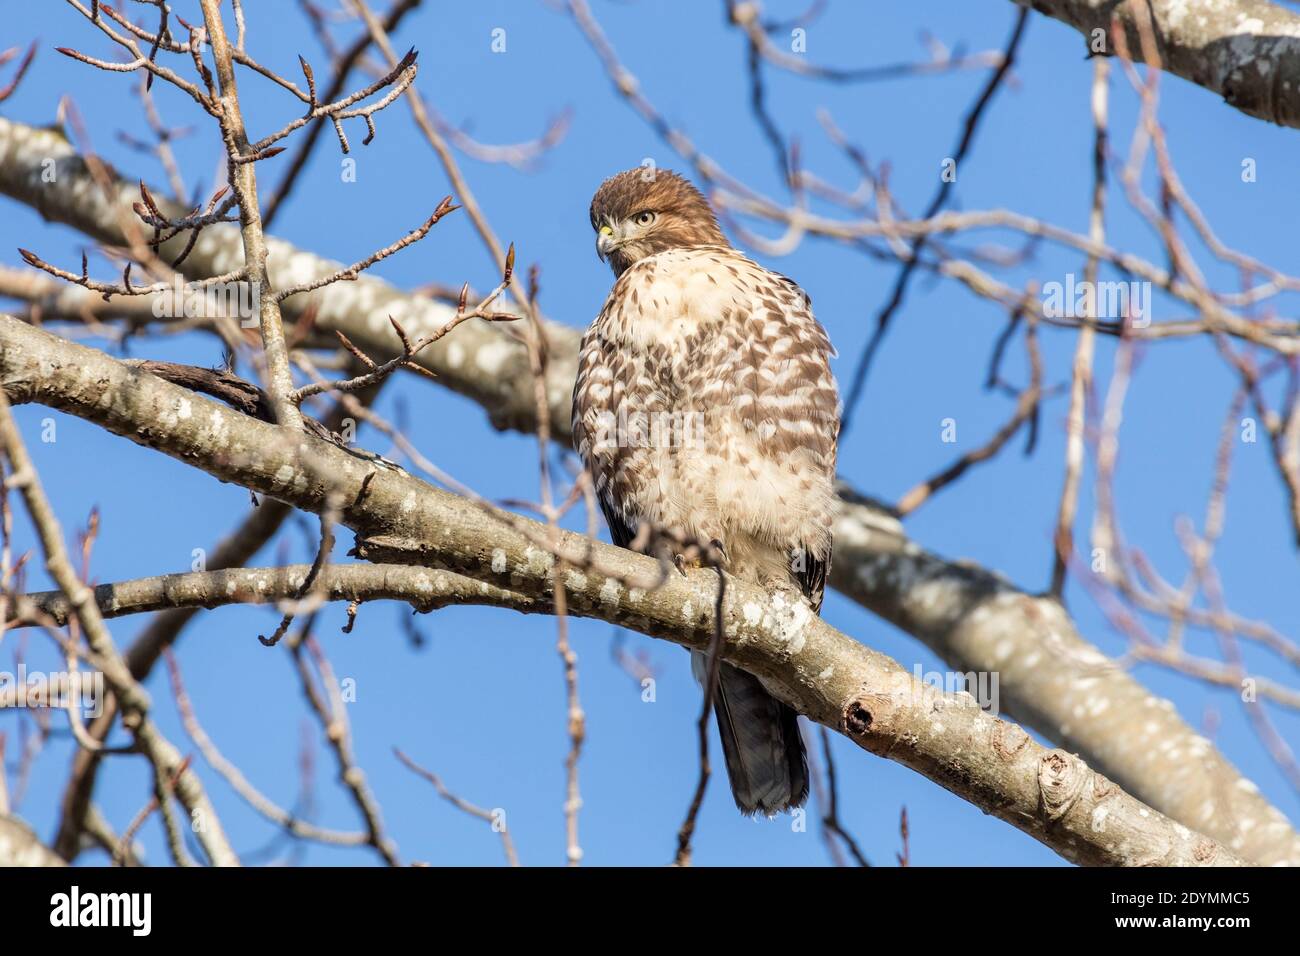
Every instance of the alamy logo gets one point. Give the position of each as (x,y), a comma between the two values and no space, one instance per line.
(74,908)
(1098,300)
(636,429)
(982,686)
(235,300)
(62,689)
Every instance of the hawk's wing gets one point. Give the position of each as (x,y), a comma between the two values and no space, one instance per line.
(810,394)
(620,532)
(812,579)
(814,569)
(595,357)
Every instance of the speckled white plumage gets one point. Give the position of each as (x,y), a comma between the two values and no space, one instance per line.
(705,406)
(709,338)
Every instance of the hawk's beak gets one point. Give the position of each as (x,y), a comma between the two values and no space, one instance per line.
(605,242)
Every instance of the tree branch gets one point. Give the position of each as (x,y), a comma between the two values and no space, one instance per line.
(19,846)
(826,675)
(875,564)
(425,589)
(134,700)
(1247,51)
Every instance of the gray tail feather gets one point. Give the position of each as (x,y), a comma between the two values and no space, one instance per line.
(760,742)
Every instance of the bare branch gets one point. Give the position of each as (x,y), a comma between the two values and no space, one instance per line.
(351,272)
(134,700)
(1204,43)
(876,564)
(827,676)
(494,818)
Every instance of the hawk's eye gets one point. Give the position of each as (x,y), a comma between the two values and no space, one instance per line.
(644,218)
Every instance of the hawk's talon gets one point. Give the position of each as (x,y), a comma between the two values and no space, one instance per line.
(684,563)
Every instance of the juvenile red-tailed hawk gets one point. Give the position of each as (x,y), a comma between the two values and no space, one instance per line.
(705,404)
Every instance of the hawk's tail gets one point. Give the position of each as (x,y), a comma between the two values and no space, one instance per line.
(760,741)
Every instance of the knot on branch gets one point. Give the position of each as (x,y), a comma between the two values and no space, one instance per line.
(858,718)
(1205,850)
(1061,779)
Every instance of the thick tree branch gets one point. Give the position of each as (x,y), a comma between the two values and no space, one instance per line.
(19,846)
(831,678)
(1053,679)
(1247,51)
(482,361)
(967,615)
(425,589)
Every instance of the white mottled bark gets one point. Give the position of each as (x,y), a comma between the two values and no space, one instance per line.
(834,680)
(1074,698)
(1247,51)
(19,846)
(423,588)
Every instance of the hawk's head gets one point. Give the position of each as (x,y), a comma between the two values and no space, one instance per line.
(642,211)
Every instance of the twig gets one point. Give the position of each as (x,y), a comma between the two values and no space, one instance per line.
(377,373)
(8,89)
(492,817)
(831,816)
(354,270)
(1026,413)
(899,291)
(686,831)
(1081,379)
(334,723)
(343,66)
(292,824)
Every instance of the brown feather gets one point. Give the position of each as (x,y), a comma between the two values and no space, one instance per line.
(696,332)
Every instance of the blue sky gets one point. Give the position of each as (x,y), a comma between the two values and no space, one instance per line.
(482,701)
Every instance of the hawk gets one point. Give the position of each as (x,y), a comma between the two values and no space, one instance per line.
(705,404)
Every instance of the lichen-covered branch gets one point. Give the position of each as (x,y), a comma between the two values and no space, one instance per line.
(1247,51)
(425,589)
(876,564)
(826,675)
(1052,679)
(19,846)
